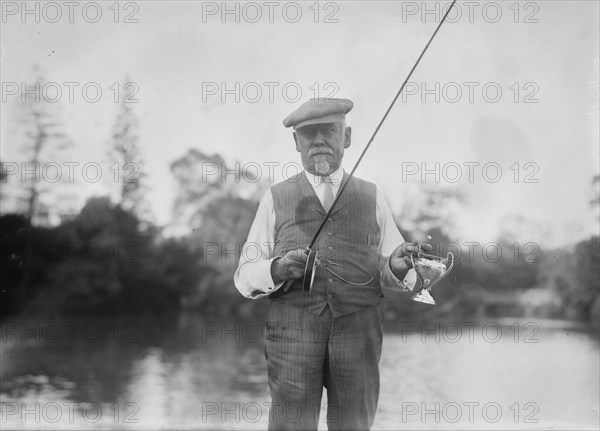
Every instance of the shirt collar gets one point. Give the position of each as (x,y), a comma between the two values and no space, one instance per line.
(315,180)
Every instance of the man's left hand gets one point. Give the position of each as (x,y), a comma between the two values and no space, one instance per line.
(400,261)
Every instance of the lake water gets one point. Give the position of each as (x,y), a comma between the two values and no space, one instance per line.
(186,372)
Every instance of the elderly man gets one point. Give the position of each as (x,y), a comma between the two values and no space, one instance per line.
(330,337)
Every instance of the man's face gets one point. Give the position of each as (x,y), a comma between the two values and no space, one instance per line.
(322,146)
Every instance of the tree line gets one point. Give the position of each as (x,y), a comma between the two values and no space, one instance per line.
(109,257)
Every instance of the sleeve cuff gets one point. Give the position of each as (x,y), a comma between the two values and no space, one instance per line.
(390,281)
(262,275)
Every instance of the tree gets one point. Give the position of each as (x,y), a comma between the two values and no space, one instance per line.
(215,205)
(202,179)
(128,161)
(43,140)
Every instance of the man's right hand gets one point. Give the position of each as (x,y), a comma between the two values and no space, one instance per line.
(290,266)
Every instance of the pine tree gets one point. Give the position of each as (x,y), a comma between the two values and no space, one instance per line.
(128,161)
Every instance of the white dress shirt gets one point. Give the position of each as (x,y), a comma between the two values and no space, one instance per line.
(253,273)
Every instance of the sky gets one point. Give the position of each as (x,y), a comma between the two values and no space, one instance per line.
(504,104)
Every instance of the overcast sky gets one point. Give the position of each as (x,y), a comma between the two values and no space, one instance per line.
(514,83)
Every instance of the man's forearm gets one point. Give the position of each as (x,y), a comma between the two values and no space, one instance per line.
(254,280)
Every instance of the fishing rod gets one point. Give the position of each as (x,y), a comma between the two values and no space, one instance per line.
(309,270)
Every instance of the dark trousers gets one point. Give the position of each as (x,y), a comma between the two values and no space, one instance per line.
(306,352)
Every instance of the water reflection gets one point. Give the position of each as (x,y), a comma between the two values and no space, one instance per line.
(507,384)
(188,373)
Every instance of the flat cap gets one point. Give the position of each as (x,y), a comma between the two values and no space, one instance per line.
(317,111)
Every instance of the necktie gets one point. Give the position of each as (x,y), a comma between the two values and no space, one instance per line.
(328,195)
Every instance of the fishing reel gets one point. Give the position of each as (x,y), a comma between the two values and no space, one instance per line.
(310,270)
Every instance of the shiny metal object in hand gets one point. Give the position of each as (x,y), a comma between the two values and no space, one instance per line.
(430,269)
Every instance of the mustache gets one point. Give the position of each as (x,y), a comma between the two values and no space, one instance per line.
(320,150)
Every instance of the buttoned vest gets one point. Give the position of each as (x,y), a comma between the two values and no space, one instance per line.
(347,277)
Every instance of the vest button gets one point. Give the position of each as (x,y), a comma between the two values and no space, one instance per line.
(330,296)
(330,247)
(329,233)
(330,218)
(330,280)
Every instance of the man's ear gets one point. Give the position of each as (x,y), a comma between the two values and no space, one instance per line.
(347,137)
(296,141)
